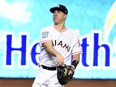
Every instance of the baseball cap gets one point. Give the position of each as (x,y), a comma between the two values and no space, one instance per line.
(60,8)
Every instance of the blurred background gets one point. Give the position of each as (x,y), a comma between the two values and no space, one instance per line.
(20,25)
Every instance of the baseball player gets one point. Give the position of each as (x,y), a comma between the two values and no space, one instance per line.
(57,43)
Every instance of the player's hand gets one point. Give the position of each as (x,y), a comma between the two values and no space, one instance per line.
(60,59)
(72,70)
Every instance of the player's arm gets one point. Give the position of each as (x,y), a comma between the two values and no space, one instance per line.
(77,50)
(49,48)
(46,41)
(76,60)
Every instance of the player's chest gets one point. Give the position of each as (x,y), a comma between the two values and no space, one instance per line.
(62,38)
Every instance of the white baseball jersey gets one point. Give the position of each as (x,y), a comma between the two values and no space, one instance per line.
(65,42)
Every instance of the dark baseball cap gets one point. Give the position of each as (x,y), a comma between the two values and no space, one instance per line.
(60,8)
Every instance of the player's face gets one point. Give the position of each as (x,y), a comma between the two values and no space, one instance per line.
(58,17)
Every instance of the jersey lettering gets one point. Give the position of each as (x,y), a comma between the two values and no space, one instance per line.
(60,43)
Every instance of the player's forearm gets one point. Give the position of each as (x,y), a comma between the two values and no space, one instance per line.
(76,57)
(49,48)
(52,51)
(75,62)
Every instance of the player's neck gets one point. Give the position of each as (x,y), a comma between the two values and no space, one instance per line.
(59,27)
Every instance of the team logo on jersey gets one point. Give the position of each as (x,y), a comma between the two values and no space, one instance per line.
(45,34)
(60,43)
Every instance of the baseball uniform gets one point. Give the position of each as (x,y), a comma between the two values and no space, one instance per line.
(66,43)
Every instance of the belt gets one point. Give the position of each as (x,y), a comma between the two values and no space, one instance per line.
(48,68)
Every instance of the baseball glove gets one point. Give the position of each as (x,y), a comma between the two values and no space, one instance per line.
(64,74)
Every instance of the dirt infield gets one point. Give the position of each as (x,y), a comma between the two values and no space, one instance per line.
(73,83)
